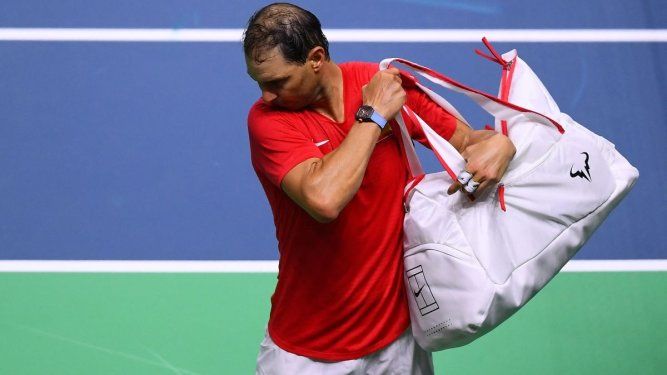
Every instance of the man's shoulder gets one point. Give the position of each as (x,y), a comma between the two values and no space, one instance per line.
(259,108)
(260,115)
(262,111)
(264,119)
(359,67)
(358,73)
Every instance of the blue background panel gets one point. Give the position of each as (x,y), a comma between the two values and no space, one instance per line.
(140,151)
(127,152)
(341,14)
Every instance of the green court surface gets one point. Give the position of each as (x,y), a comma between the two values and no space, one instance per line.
(55,323)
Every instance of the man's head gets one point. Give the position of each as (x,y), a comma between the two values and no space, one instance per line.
(295,31)
(285,49)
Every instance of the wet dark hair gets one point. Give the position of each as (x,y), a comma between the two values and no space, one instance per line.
(294,30)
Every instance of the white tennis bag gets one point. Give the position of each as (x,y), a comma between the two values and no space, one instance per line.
(471,265)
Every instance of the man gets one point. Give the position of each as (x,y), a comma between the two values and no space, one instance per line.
(333,174)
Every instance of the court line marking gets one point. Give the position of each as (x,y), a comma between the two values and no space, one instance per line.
(337,35)
(88,345)
(266,266)
(163,361)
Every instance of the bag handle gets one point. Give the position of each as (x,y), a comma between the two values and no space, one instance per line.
(495,56)
(408,148)
(443,150)
(496,107)
(506,76)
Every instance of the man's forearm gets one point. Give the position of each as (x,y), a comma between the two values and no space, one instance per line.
(322,187)
(335,179)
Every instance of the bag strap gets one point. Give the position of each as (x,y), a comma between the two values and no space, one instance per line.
(495,106)
(506,76)
(496,57)
(408,148)
(443,150)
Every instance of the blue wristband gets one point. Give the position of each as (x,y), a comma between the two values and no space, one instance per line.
(378,119)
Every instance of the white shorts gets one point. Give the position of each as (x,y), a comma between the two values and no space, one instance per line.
(401,357)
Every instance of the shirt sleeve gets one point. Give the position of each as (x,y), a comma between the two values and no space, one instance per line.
(276,146)
(437,117)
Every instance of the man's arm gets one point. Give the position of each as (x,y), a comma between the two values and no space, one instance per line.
(487,155)
(323,187)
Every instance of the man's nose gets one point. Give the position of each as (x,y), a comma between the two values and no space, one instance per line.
(268,96)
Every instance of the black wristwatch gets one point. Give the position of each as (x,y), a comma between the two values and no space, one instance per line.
(366,113)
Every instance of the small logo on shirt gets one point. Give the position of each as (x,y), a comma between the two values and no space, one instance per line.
(583,171)
(421,291)
(318,144)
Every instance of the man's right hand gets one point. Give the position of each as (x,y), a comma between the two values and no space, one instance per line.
(384,93)
(323,187)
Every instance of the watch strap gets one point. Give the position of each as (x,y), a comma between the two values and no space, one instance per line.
(378,119)
(366,113)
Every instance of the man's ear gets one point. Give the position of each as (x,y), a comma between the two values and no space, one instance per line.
(316,58)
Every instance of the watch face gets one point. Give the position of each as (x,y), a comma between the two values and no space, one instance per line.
(365,112)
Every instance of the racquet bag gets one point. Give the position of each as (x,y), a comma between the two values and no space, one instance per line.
(470,265)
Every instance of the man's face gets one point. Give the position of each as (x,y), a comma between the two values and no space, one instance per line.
(287,85)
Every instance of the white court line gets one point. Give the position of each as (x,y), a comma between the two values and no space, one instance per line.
(267,266)
(140,266)
(339,35)
(617,265)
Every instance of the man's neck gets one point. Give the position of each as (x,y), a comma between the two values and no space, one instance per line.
(330,101)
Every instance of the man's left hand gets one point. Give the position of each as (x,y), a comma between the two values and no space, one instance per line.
(487,155)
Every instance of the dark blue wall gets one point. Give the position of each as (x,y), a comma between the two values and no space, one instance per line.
(140,151)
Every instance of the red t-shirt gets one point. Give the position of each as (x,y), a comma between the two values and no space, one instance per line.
(340,292)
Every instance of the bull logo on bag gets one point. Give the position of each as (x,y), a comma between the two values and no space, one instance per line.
(583,172)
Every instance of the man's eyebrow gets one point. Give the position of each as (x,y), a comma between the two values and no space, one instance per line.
(270,80)
(276,79)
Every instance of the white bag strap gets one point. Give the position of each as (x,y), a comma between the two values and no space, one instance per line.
(496,107)
(443,150)
(508,64)
(410,154)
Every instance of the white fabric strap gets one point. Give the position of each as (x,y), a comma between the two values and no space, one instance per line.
(410,153)
(494,106)
(499,109)
(441,147)
(442,102)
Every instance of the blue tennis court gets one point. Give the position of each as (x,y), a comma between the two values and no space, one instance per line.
(115,147)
